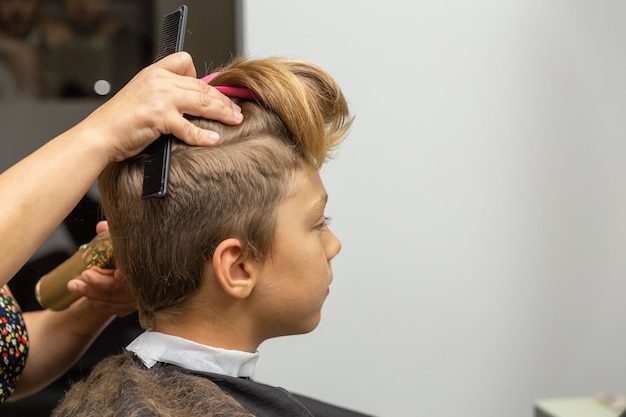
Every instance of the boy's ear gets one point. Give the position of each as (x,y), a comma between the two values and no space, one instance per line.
(232,272)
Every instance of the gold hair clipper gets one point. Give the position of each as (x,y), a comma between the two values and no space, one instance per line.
(51,289)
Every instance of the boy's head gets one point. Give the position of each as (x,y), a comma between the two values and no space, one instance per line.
(237,191)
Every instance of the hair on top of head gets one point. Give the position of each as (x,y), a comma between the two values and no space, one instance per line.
(304,96)
(228,190)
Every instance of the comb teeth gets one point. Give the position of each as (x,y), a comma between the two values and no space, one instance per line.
(172,35)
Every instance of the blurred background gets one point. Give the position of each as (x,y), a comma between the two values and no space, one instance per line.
(480,198)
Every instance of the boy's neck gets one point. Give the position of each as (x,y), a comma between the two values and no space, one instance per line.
(216,330)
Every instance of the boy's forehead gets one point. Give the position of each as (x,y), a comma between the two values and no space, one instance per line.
(307,191)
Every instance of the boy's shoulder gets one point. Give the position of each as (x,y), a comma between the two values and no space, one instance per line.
(121,385)
(264,400)
(322,409)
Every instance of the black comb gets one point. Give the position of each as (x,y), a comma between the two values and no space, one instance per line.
(156,169)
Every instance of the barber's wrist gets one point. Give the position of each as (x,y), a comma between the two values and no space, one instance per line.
(87,317)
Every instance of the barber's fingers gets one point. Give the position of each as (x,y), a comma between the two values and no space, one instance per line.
(154,102)
(102,226)
(106,290)
(195,97)
(179,63)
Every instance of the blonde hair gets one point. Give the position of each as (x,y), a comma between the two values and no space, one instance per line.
(230,190)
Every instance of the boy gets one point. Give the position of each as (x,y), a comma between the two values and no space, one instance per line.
(238,252)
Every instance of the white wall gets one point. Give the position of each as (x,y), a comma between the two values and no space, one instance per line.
(481,201)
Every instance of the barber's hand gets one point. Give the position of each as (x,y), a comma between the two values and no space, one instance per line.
(153,103)
(108,291)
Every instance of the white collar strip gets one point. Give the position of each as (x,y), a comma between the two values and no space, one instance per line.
(152,347)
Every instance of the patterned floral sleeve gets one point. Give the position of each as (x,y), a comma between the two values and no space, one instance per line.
(13,344)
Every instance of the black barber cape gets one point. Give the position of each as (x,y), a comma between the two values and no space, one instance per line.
(267,401)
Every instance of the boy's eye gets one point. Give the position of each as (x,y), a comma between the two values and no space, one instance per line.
(323,224)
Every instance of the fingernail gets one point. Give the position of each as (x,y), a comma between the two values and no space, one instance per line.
(72,286)
(209,138)
(84,277)
(237,113)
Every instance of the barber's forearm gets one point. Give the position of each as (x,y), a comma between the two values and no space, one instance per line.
(37,193)
(57,341)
